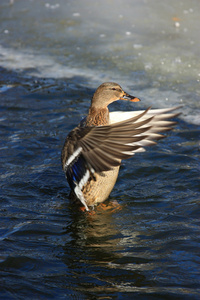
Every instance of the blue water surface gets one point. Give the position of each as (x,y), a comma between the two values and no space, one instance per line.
(145,244)
(148,245)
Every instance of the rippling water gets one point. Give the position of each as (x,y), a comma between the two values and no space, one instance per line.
(146,246)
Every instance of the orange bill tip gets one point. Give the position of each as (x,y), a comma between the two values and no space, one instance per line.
(135,100)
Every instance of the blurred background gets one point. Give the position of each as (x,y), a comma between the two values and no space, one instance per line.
(149,46)
(53,55)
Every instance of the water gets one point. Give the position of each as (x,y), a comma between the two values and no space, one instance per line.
(53,55)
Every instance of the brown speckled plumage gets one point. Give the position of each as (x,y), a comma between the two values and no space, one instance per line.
(97,117)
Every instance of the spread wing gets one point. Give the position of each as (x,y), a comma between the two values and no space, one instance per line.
(95,149)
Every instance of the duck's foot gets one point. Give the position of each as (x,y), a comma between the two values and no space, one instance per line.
(84,210)
(110,206)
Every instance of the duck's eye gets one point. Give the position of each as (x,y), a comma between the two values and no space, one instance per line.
(114,89)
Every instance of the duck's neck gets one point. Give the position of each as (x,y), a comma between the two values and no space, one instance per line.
(97,116)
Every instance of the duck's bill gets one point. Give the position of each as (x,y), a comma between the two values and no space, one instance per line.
(129,98)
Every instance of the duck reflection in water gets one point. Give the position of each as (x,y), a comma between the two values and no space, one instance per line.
(96,252)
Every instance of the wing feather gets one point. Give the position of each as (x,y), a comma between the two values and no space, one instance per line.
(103,147)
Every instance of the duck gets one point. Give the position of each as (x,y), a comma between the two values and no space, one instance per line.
(93,151)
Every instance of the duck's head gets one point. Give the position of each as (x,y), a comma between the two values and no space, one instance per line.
(109,92)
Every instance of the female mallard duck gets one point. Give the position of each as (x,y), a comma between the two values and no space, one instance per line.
(92,153)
